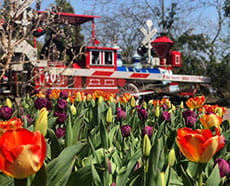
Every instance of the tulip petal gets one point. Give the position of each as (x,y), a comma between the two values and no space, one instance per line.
(22,152)
(209,149)
(190,146)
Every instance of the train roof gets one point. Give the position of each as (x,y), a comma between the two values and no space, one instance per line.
(71,18)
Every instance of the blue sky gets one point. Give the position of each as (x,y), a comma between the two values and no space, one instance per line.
(79,5)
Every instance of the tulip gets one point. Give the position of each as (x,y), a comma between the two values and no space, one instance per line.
(13,123)
(78,97)
(166,116)
(220,111)
(60,132)
(109,115)
(181,105)
(41,122)
(62,104)
(6,112)
(188,113)
(211,120)
(28,118)
(40,103)
(49,93)
(100,100)
(133,102)
(64,94)
(73,110)
(142,114)
(171,157)
(125,130)
(8,103)
(199,145)
(121,114)
(190,121)
(146,146)
(190,117)
(157,111)
(49,105)
(148,130)
(61,117)
(224,167)
(195,102)
(22,152)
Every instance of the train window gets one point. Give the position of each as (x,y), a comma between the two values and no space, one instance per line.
(108,58)
(95,60)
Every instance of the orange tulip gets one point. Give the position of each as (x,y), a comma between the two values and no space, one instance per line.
(199,145)
(13,123)
(211,120)
(196,102)
(22,152)
(213,108)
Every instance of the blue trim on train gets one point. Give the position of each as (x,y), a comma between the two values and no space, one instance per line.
(143,70)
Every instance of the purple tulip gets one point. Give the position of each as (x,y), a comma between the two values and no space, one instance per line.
(61,117)
(190,117)
(62,104)
(190,121)
(64,94)
(48,92)
(113,184)
(166,116)
(188,113)
(60,132)
(49,104)
(224,167)
(125,130)
(40,103)
(142,114)
(28,119)
(147,130)
(6,112)
(121,114)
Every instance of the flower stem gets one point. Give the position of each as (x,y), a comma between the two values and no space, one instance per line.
(200,179)
(20,182)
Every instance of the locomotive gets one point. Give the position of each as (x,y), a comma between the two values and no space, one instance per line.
(98,68)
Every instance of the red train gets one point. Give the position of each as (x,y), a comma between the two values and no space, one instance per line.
(99,68)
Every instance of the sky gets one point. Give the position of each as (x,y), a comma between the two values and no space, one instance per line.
(79,5)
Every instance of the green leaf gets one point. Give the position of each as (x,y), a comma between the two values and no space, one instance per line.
(214,178)
(40,177)
(51,120)
(103,134)
(60,168)
(83,175)
(123,177)
(76,128)
(6,180)
(95,175)
(69,131)
(55,146)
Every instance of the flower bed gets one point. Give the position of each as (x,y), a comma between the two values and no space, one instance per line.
(72,138)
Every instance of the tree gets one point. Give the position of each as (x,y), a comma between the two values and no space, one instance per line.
(77,37)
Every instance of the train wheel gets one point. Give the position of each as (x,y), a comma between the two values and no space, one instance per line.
(129,88)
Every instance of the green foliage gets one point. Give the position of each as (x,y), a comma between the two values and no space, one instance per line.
(94,151)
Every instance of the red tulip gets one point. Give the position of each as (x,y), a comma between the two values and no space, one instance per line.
(13,123)
(199,145)
(22,152)
(196,102)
